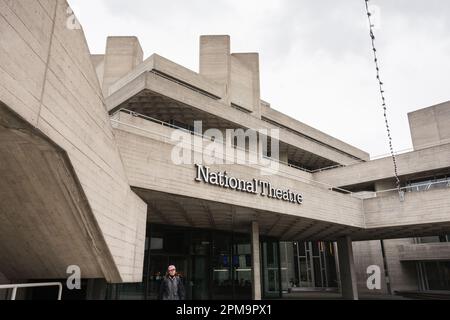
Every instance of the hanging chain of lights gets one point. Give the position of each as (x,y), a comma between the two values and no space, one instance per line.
(383,98)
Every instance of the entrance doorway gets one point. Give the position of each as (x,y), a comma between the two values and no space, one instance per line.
(214,265)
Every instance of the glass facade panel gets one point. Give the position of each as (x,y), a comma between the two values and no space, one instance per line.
(314,265)
(271,274)
(213,265)
(242,267)
(222,286)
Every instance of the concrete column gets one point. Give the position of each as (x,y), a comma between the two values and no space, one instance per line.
(122,55)
(347,269)
(336,260)
(256,258)
(251,61)
(215,60)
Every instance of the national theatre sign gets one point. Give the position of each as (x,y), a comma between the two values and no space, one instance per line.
(255,186)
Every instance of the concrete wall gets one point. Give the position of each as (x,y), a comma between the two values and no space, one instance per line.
(425,252)
(215,58)
(239,72)
(98,60)
(47,77)
(430,126)
(146,148)
(179,93)
(418,208)
(368,253)
(423,160)
(122,55)
(147,155)
(245,85)
(403,276)
(278,117)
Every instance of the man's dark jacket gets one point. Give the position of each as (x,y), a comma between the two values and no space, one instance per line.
(164,291)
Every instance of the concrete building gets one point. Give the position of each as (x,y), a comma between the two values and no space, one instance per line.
(88,177)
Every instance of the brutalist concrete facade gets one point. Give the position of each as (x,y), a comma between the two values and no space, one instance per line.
(87,161)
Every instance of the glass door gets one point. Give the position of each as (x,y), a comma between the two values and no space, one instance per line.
(242,267)
(199,283)
(157,271)
(271,269)
(222,281)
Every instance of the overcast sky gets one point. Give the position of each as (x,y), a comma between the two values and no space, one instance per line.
(316,59)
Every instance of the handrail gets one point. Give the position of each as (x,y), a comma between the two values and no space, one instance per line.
(32,285)
(372,158)
(411,187)
(328,186)
(165,124)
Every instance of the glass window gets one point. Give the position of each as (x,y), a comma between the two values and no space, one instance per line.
(271,269)
(302,249)
(428,184)
(315,265)
(156,243)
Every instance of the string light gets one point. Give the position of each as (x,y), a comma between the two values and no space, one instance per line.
(382,92)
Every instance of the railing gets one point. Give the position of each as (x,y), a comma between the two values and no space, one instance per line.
(329,187)
(31,285)
(420,187)
(373,158)
(165,124)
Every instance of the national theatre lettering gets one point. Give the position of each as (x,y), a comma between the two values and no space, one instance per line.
(255,186)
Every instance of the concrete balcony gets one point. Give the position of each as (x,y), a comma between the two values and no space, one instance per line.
(424,160)
(425,252)
(183,92)
(146,148)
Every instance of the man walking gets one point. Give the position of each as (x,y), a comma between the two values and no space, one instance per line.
(172,287)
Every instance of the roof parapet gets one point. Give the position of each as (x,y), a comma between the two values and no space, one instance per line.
(122,55)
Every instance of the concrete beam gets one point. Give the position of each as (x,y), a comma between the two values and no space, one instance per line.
(429,126)
(425,252)
(424,160)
